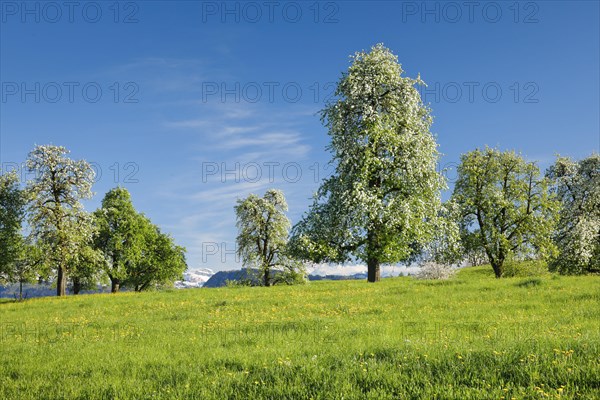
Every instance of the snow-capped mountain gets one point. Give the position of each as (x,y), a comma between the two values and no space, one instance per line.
(194,278)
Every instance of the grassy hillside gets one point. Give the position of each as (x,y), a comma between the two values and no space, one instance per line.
(471,337)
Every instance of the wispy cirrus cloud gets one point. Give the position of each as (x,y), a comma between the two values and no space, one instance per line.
(229,145)
(226,135)
(285,142)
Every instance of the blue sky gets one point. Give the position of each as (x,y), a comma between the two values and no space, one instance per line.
(191,105)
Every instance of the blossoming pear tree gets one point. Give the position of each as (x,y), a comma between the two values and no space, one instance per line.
(383,199)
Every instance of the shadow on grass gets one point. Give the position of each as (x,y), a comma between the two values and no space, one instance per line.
(531,282)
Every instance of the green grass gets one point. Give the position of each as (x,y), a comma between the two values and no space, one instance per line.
(472,337)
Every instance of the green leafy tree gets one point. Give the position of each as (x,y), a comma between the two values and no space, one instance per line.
(12,214)
(503,198)
(263,233)
(382,201)
(119,237)
(28,267)
(136,253)
(86,268)
(19,260)
(577,185)
(56,216)
(160,261)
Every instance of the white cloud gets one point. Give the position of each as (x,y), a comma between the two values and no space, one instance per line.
(228,134)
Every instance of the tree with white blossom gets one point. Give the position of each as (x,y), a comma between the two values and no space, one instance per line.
(577,185)
(383,200)
(263,235)
(56,216)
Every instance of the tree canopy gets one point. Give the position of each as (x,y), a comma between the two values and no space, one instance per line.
(119,235)
(504,199)
(56,215)
(382,201)
(577,185)
(159,260)
(13,267)
(12,212)
(263,233)
(136,254)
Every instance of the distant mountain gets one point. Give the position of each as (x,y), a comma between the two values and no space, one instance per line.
(195,278)
(220,278)
(202,277)
(40,290)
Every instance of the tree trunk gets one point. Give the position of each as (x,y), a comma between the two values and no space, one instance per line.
(76,285)
(374,273)
(61,282)
(115,285)
(497,266)
(20,290)
(266,277)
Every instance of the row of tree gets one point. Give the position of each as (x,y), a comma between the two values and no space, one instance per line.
(501,209)
(381,205)
(383,202)
(66,244)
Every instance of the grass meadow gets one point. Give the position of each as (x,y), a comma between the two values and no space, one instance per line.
(470,337)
